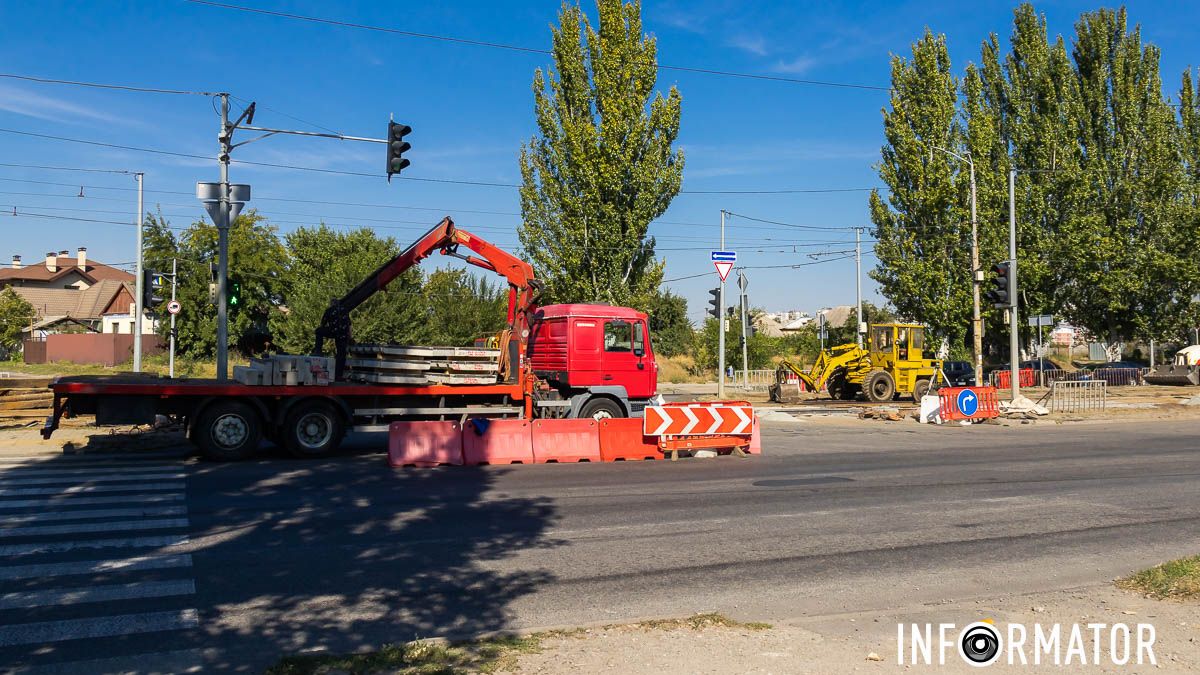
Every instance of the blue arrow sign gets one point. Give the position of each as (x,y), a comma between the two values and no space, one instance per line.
(724,256)
(967,402)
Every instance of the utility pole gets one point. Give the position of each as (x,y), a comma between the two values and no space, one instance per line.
(174,283)
(139,284)
(976,273)
(742,284)
(858,329)
(721,326)
(1014,338)
(225,137)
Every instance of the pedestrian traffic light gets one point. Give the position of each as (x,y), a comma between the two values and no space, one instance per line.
(1001,295)
(233,294)
(397,146)
(212,293)
(152,288)
(714,305)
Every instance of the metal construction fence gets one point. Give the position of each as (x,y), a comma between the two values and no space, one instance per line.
(758,379)
(1032,377)
(1078,396)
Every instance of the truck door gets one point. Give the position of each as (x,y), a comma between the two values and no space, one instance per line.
(625,358)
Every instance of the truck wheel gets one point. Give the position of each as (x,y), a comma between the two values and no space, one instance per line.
(601,408)
(879,386)
(920,389)
(313,429)
(228,431)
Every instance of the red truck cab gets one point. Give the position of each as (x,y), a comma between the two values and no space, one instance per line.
(595,353)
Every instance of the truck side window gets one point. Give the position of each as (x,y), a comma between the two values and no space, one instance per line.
(617,336)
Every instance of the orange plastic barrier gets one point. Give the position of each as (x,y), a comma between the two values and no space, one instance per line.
(1027,378)
(497,441)
(968,403)
(571,440)
(424,444)
(621,439)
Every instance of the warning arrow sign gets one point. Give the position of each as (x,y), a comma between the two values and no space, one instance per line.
(698,419)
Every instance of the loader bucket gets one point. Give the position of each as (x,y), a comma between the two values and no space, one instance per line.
(1174,375)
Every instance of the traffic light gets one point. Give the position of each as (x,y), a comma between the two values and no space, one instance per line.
(714,305)
(233,294)
(1000,295)
(397,146)
(152,288)
(212,293)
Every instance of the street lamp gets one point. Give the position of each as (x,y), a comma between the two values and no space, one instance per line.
(976,273)
(223,202)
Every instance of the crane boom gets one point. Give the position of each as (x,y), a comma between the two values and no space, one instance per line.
(445,238)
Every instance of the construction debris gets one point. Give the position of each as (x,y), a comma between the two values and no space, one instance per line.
(1022,408)
(889,414)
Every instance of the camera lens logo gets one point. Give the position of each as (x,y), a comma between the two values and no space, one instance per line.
(979,644)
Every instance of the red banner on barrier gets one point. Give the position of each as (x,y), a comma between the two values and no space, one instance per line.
(699,419)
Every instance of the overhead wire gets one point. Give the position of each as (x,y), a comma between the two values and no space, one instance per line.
(99,85)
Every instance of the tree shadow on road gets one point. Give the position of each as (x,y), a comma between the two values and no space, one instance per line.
(349,554)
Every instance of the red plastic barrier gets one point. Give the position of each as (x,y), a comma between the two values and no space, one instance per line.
(572,440)
(621,439)
(1027,378)
(497,441)
(986,403)
(424,444)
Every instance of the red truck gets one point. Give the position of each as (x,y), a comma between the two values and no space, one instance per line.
(573,360)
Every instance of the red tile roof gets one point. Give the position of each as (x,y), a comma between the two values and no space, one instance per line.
(37,271)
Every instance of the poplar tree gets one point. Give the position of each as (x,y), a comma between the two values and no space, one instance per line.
(601,166)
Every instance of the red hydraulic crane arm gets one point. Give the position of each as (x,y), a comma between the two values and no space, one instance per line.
(446,238)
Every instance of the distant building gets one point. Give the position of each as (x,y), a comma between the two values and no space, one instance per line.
(71,294)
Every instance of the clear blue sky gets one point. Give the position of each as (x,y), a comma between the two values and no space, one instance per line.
(471,108)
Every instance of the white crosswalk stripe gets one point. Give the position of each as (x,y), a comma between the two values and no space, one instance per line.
(90,551)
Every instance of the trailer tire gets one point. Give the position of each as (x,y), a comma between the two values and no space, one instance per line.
(879,386)
(227,431)
(312,429)
(600,408)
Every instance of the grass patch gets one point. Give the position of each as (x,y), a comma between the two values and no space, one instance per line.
(488,655)
(1175,580)
(155,364)
(682,370)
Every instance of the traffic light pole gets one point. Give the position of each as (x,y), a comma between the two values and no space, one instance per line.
(1014,339)
(225,138)
(721,326)
(858,329)
(139,284)
(174,283)
(745,344)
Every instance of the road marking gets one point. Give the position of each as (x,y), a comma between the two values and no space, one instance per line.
(42,470)
(132,564)
(151,663)
(72,596)
(30,492)
(6,481)
(88,528)
(64,546)
(69,500)
(92,514)
(98,627)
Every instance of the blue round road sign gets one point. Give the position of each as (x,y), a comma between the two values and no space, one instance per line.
(967,402)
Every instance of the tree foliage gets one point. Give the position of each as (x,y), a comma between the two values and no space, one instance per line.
(601,166)
(1105,192)
(15,315)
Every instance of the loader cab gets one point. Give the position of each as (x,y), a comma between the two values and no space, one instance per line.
(895,344)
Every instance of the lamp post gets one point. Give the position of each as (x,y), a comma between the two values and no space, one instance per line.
(976,273)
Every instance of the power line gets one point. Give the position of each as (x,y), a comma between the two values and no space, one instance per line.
(103,145)
(68,168)
(518,48)
(98,85)
(785,191)
(799,227)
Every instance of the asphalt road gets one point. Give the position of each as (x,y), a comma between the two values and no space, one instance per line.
(167,564)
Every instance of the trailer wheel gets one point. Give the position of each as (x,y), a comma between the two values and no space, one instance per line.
(879,386)
(228,431)
(601,408)
(313,429)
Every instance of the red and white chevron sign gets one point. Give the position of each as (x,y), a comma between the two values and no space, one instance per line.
(698,419)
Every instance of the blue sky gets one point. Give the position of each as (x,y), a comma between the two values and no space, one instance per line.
(471,108)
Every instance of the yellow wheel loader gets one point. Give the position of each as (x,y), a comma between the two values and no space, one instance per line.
(893,363)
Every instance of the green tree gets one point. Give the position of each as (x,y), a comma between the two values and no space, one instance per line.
(15,315)
(324,264)
(601,166)
(459,307)
(257,260)
(670,330)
